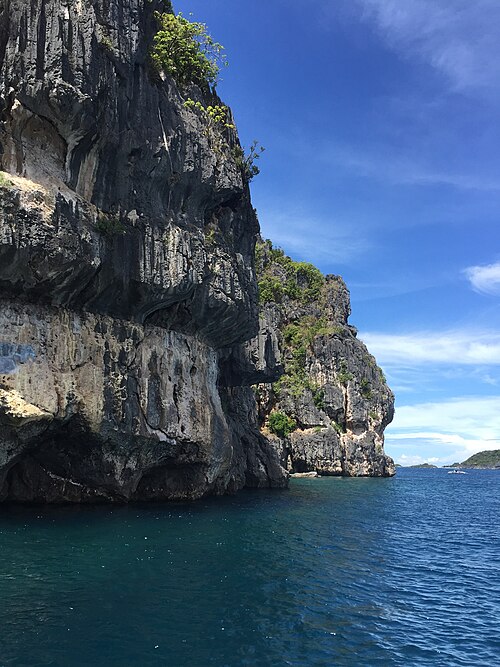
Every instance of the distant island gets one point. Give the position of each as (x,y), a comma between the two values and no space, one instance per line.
(423,465)
(488,459)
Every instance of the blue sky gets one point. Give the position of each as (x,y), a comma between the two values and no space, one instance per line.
(381,123)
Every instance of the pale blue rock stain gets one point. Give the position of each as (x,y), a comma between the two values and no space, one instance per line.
(12,355)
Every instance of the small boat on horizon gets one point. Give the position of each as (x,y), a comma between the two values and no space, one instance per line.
(456,472)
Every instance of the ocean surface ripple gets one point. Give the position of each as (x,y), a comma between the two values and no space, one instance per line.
(333,572)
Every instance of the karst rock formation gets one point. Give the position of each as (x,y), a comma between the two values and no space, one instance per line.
(135,360)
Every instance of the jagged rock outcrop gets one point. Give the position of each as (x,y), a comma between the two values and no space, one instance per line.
(328,412)
(126,269)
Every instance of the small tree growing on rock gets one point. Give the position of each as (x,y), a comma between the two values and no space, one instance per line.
(281,424)
(185,50)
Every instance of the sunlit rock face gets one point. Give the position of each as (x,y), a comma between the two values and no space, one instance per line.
(332,389)
(126,270)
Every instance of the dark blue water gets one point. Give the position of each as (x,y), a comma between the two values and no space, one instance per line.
(402,571)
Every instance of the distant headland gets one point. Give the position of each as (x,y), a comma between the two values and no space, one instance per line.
(423,465)
(487,460)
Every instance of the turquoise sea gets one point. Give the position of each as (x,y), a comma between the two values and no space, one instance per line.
(333,572)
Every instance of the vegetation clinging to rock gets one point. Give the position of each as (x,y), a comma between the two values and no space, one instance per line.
(186,51)
(109,224)
(330,386)
(281,424)
(297,280)
(216,115)
(279,278)
(246,161)
(217,120)
(4,181)
(298,338)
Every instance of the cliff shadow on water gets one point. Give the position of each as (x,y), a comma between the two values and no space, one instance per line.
(137,361)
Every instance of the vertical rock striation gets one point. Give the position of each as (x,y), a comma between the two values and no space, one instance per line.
(126,268)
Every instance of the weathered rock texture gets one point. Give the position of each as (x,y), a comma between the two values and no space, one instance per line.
(333,394)
(126,269)
(129,319)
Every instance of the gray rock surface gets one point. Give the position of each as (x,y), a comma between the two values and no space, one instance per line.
(126,269)
(332,391)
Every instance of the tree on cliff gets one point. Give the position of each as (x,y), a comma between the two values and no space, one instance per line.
(186,51)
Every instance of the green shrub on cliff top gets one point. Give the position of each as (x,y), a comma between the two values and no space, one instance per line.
(184,50)
(303,281)
(278,277)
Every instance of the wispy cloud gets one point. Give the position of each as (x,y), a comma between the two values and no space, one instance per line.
(384,164)
(408,460)
(291,229)
(475,418)
(451,347)
(452,429)
(459,39)
(485,279)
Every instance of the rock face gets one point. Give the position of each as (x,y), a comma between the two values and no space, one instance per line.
(126,269)
(129,316)
(328,412)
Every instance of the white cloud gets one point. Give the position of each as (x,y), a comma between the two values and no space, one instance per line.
(452,347)
(459,39)
(414,460)
(453,429)
(488,379)
(485,279)
(474,418)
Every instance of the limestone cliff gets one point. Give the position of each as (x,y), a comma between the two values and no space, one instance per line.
(129,316)
(126,268)
(328,412)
